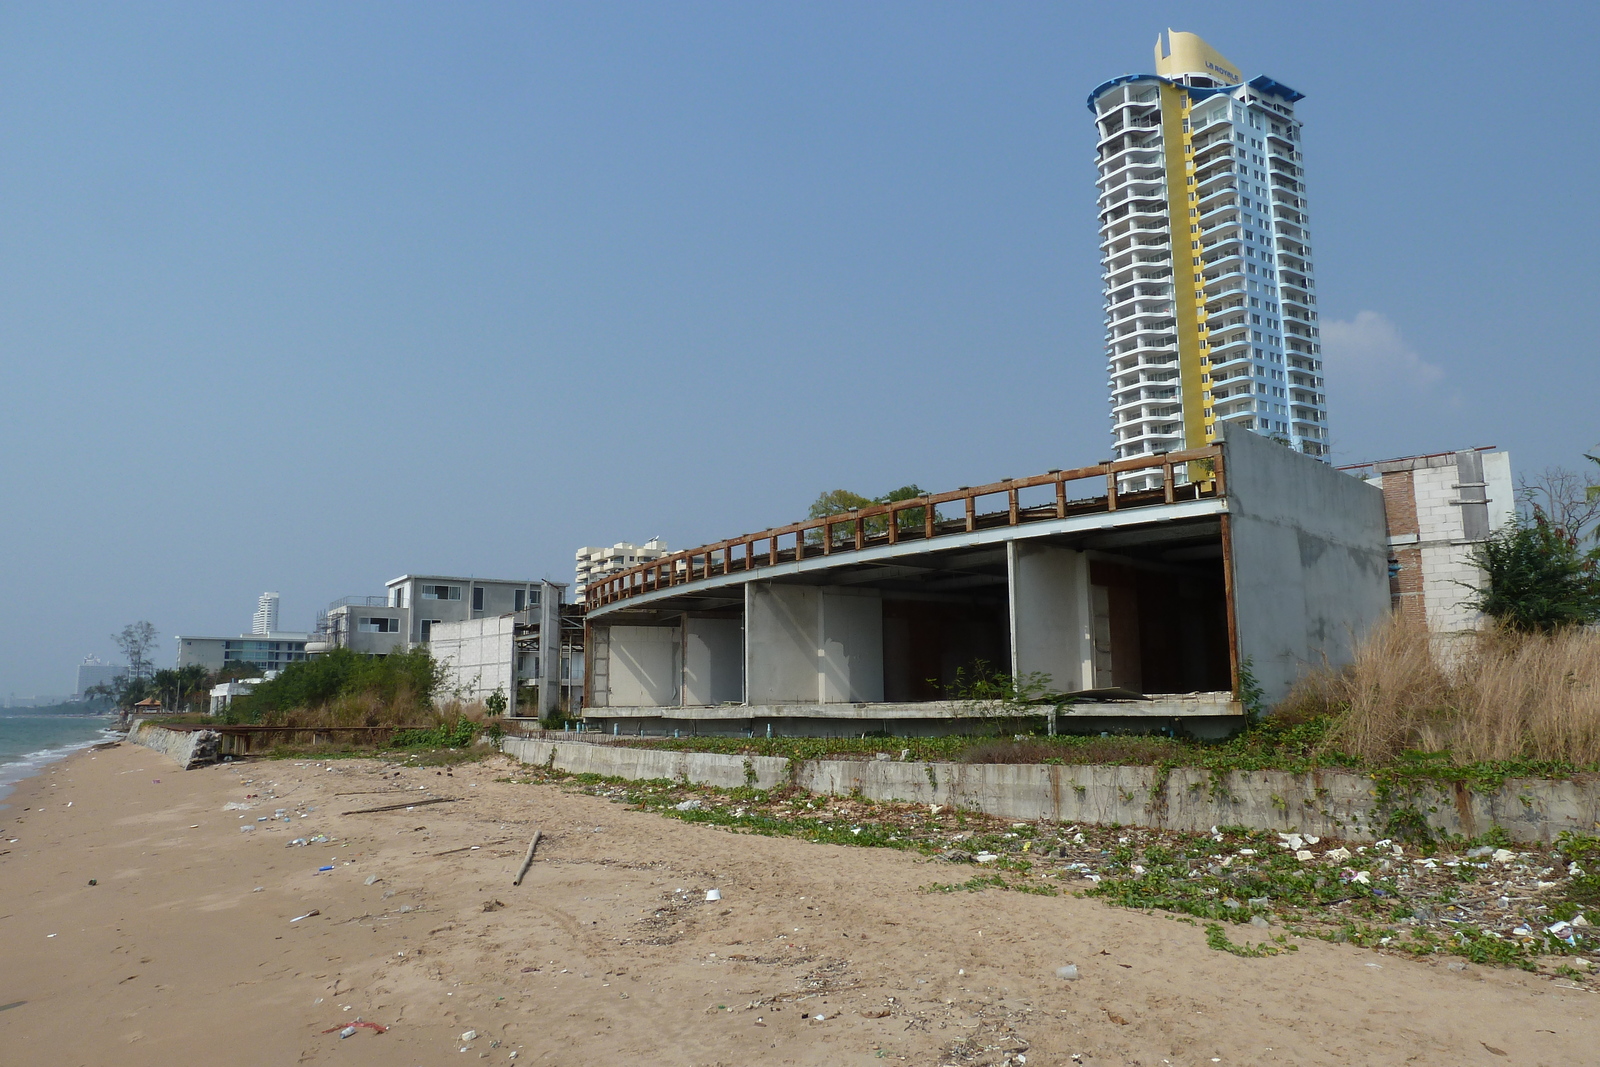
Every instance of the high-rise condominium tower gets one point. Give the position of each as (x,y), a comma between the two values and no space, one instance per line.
(266,617)
(1211,308)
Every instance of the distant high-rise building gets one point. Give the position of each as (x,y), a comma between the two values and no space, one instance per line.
(1211,307)
(93,671)
(266,617)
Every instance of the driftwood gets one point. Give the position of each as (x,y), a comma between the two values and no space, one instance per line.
(527,861)
(397,807)
(469,848)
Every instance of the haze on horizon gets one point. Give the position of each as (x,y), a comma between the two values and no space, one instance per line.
(303,298)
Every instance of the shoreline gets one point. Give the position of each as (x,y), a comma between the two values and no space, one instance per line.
(212,934)
(14,772)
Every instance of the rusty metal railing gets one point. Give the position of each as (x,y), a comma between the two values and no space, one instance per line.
(917,519)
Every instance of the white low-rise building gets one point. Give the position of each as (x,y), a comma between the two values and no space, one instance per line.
(596,562)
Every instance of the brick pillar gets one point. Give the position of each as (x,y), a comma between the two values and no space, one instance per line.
(1400,515)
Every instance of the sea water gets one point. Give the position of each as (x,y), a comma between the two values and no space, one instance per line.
(29,740)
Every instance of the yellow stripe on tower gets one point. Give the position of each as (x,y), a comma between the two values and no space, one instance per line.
(1188,273)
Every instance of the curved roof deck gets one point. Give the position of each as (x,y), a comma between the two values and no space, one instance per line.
(988,514)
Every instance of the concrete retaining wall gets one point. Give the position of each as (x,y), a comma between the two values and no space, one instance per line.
(1331,804)
(190,748)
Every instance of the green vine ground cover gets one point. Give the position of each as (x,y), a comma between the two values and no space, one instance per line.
(1477,900)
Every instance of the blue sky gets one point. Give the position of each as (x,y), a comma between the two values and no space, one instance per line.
(304,297)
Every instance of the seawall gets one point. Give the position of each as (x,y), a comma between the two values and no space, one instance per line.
(1351,807)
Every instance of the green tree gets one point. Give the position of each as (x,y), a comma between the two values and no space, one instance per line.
(843,501)
(136,641)
(1539,579)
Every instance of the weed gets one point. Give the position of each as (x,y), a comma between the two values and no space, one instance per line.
(1217,938)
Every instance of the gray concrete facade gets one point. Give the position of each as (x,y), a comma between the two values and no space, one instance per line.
(1310,560)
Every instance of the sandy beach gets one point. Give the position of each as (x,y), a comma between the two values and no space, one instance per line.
(187,950)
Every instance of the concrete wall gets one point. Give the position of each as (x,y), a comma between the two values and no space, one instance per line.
(1052,617)
(713,660)
(1310,559)
(188,748)
(812,644)
(780,643)
(1335,805)
(645,665)
(479,657)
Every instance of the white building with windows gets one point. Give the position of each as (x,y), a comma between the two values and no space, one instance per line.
(1211,304)
(265,620)
(595,562)
(430,599)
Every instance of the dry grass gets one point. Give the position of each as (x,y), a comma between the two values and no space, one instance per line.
(1489,696)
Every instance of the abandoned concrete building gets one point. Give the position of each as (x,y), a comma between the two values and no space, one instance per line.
(1248,561)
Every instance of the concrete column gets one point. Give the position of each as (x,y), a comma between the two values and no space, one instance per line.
(644,666)
(713,661)
(1052,617)
(808,644)
(549,649)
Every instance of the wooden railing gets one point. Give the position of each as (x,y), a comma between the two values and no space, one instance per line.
(918,519)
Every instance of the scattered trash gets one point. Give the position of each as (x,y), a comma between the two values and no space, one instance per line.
(246,827)
(371,879)
(1457,965)
(713,894)
(322,869)
(1256,920)
(258,889)
(307,915)
(1502,855)
(234,805)
(986,857)
(1069,972)
(94,881)
(470,1035)
(348,1031)
(688,805)
(1337,855)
